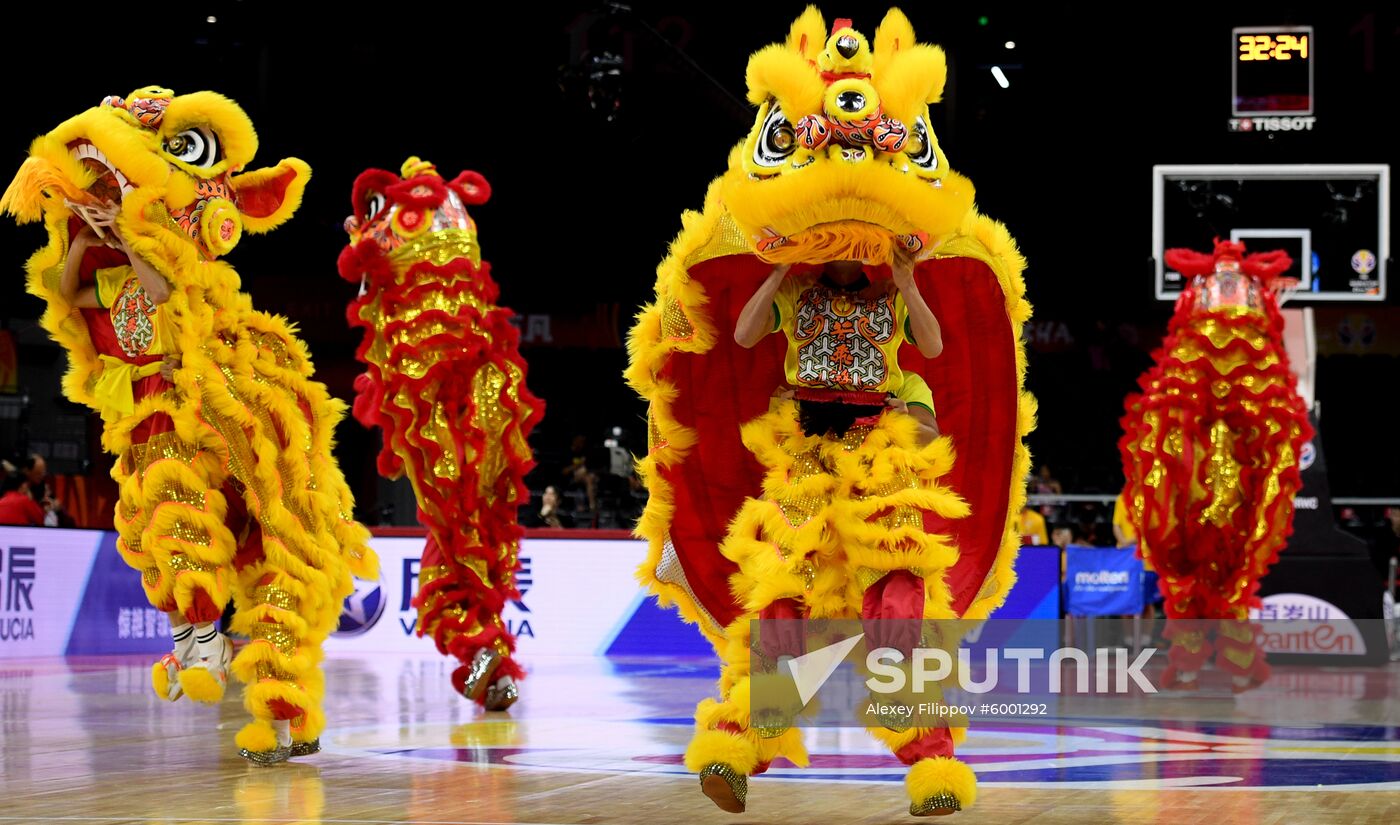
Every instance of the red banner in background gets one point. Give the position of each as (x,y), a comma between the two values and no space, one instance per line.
(9,362)
(600,329)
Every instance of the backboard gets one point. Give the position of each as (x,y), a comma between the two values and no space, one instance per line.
(1333,220)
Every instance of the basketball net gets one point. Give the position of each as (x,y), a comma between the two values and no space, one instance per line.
(1283,289)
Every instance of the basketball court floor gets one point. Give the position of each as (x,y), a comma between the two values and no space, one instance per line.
(598,740)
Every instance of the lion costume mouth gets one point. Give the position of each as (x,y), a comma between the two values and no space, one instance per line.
(110,186)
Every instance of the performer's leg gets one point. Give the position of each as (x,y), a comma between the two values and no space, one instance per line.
(170,525)
(897,551)
(286,608)
(1238,652)
(1188,633)
(462,614)
(777,543)
(938,783)
(165,674)
(727,748)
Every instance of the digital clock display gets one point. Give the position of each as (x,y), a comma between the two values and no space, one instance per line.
(1273,70)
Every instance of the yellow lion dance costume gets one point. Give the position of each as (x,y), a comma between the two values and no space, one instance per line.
(778,521)
(227,484)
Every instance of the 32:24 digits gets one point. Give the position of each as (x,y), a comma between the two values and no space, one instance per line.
(1273,47)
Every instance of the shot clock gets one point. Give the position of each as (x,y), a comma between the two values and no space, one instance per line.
(1273,71)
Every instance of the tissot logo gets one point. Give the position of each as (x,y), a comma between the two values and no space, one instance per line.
(1272,124)
(17,604)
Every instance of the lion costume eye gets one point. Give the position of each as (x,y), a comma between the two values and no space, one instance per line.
(197,147)
(920,148)
(374,204)
(776,141)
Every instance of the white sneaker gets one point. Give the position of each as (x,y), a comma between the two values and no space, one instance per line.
(173,666)
(182,656)
(217,667)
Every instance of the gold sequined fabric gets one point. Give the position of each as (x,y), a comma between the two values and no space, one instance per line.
(439,248)
(275,634)
(275,596)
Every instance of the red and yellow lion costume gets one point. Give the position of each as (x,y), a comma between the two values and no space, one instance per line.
(446,384)
(1210,452)
(745,512)
(228,484)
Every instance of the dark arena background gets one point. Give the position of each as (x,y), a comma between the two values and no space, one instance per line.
(1085,132)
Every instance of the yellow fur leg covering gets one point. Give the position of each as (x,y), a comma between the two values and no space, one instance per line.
(941,774)
(257,736)
(170,522)
(734,710)
(201,686)
(712,746)
(287,618)
(160,681)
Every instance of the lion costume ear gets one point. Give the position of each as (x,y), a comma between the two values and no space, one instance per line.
(268,197)
(807,36)
(471,187)
(894,34)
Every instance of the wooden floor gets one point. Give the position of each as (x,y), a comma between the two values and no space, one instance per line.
(599,741)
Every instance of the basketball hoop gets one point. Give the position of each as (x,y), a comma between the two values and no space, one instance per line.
(1283,289)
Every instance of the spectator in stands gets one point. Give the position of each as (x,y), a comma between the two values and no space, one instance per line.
(550,513)
(1044,484)
(577,473)
(1126,537)
(17,507)
(1033,530)
(35,471)
(1092,525)
(1062,536)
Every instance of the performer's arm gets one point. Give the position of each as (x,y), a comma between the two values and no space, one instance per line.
(756,319)
(928,425)
(85,297)
(152,281)
(928,336)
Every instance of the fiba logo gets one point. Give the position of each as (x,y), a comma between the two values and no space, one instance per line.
(1306,456)
(1363,263)
(362,609)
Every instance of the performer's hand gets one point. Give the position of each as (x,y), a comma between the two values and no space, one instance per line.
(117,240)
(168,367)
(897,404)
(104,215)
(785,393)
(779,272)
(85,239)
(902,268)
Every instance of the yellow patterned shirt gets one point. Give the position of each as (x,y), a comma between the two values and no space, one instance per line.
(136,319)
(842,338)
